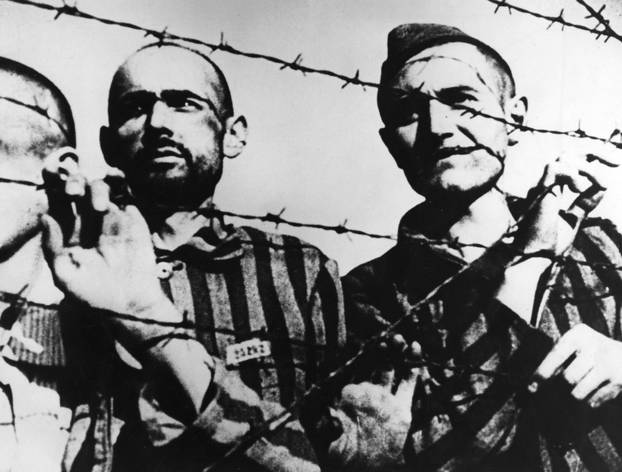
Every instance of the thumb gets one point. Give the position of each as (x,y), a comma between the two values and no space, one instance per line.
(52,238)
(406,388)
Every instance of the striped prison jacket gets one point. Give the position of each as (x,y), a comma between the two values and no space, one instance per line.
(248,287)
(471,410)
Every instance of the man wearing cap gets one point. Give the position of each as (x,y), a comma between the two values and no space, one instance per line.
(472,271)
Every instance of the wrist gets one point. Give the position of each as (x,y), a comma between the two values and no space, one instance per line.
(147,326)
(155,306)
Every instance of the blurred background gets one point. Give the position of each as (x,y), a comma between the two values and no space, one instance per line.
(314,147)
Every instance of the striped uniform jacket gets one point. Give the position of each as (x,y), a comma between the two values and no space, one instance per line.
(471,410)
(249,285)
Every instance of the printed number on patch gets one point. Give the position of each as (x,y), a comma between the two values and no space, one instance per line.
(247,350)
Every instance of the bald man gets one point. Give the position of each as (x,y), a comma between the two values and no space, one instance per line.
(36,121)
(267,307)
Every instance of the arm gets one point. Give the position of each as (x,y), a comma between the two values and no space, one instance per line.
(218,409)
(236,410)
(461,415)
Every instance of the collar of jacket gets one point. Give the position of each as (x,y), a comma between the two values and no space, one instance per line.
(216,241)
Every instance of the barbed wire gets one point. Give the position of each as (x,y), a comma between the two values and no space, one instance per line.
(602,21)
(601,30)
(273,424)
(296,64)
(39,110)
(277,219)
(223,45)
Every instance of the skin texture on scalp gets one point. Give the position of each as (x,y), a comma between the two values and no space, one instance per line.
(26,138)
(220,84)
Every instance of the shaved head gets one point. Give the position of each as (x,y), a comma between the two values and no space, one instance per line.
(35,120)
(169,112)
(174,60)
(36,117)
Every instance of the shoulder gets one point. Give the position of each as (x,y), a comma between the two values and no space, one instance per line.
(276,242)
(601,240)
(373,273)
(286,251)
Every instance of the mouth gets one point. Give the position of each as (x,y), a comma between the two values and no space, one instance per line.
(165,155)
(445,153)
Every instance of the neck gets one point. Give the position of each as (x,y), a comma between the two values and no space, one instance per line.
(173,230)
(27,268)
(484,221)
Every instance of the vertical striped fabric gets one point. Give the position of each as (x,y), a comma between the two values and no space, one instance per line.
(42,324)
(468,419)
(270,286)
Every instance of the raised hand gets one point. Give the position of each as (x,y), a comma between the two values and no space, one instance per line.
(590,362)
(576,182)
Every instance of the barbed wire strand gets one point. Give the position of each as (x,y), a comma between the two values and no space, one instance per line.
(278,421)
(605,31)
(273,424)
(296,64)
(44,112)
(277,220)
(602,21)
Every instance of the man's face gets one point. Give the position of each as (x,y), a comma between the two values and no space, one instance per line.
(166,129)
(442,150)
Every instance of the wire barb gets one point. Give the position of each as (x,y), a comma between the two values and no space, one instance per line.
(602,29)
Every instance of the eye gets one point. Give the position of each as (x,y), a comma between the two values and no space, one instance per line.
(133,107)
(457,97)
(183,102)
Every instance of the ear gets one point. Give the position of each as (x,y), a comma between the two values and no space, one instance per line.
(106,143)
(387,139)
(516,112)
(234,140)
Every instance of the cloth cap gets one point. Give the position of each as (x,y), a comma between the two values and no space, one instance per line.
(404,41)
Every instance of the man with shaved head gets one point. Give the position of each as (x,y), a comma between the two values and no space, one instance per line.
(521,358)
(266,307)
(36,122)
(167,167)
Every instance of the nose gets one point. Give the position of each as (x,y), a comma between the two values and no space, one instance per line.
(160,115)
(441,122)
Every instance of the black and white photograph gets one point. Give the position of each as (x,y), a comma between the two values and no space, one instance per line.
(310,236)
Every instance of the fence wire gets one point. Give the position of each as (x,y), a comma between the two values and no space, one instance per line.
(602,29)
(297,65)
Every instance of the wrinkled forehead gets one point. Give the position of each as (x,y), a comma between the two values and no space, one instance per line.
(448,65)
(167,68)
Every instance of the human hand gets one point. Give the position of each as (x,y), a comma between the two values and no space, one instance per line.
(34,426)
(375,418)
(113,268)
(582,176)
(590,362)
